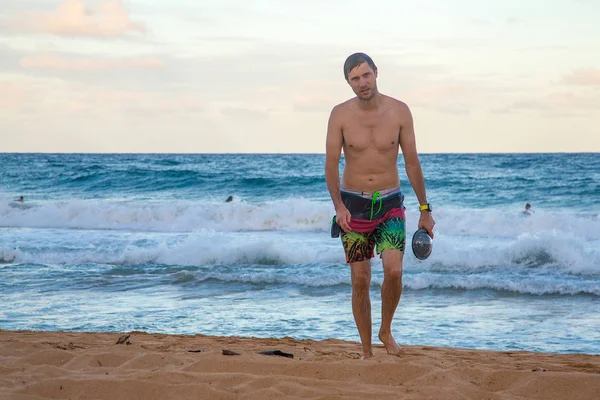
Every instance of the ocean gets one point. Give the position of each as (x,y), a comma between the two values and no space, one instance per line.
(147,242)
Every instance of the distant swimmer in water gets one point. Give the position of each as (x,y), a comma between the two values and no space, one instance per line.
(229,199)
(20,203)
(528,209)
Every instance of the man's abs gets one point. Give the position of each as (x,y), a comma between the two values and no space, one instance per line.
(370,176)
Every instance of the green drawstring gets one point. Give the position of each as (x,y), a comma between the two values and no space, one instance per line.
(376,196)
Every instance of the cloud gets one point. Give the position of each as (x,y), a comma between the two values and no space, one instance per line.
(141,70)
(52,96)
(86,98)
(562,100)
(431,95)
(13,95)
(480,21)
(544,48)
(456,42)
(247,113)
(555,104)
(55,62)
(584,77)
(317,96)
(73,18)
(458,97)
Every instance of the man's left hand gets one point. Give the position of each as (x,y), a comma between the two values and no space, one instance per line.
(426,222)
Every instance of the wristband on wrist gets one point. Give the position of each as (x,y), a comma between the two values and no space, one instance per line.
(425,207)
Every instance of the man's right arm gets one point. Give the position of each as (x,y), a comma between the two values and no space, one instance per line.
(333,152)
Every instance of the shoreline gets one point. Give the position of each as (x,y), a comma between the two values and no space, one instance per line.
(50,365)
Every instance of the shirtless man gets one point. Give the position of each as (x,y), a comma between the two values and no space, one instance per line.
(369,205)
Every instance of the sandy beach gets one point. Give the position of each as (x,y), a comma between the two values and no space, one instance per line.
(137,365)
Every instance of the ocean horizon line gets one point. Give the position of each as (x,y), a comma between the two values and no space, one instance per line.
(286,153)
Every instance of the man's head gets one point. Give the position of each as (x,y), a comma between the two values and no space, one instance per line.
(527,206)
(361,73)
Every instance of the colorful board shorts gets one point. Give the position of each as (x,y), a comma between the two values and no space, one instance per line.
(378,222)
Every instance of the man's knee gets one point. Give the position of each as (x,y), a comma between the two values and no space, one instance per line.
(394,273)
(392,263)
(361,275)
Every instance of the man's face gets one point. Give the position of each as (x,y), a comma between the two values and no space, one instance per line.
(362,79)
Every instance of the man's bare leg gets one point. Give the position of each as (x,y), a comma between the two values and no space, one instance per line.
(361,304)
(391,290)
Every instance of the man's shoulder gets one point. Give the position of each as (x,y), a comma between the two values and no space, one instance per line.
(341,108)
(399,104)
(344,105)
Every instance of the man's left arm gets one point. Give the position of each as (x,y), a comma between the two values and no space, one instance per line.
(414,172)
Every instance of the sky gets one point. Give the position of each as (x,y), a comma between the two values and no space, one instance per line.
(260,76)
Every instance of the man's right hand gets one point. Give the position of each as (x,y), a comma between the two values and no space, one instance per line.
(342,217)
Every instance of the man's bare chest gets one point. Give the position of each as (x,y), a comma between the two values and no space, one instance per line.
(368,132)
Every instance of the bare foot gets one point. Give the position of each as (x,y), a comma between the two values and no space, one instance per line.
(390,344)
(365,357)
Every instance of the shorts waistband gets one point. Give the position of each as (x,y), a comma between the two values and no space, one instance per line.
(369,195)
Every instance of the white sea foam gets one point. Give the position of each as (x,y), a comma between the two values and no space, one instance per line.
(176,216)
(535,264)
(291,215)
